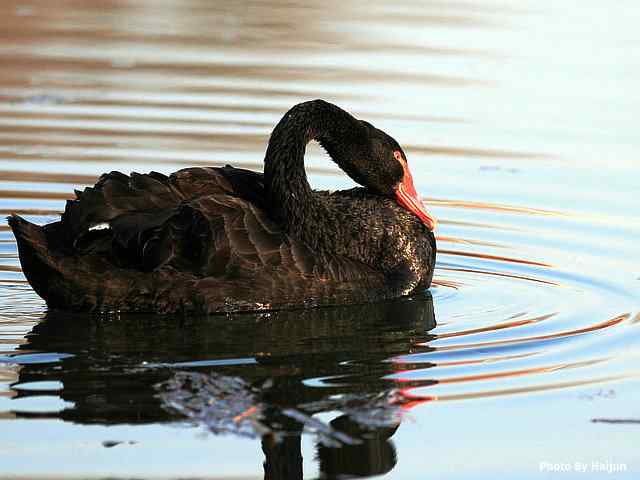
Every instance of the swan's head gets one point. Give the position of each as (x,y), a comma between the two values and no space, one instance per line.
(381,165)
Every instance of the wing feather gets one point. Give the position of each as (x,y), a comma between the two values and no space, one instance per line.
(200,240)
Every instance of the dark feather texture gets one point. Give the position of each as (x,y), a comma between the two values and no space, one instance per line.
(227,239)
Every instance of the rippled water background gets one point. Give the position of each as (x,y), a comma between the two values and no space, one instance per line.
(519,120)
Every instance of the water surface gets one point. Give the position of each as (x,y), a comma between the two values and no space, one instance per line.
(519,122)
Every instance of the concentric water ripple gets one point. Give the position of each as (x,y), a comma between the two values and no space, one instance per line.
(504,325)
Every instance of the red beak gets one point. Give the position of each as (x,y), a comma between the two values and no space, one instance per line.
(408,198)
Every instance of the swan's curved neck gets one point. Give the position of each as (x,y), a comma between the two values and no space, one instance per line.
(290,198)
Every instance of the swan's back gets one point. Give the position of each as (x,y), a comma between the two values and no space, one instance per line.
(154,219)
(199,240)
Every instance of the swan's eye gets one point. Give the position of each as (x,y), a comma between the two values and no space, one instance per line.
(398,156)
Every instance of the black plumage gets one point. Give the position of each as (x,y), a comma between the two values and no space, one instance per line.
(208,240)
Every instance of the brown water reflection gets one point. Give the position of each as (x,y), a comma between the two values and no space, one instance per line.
(269,400)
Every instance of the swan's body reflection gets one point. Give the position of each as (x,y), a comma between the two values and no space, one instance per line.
(263,375)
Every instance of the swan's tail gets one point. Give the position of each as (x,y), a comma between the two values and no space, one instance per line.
(71,282)
(38,263)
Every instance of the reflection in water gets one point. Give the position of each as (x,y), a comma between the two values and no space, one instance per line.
(250,375)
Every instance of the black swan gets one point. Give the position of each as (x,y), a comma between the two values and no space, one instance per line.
(207,240)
